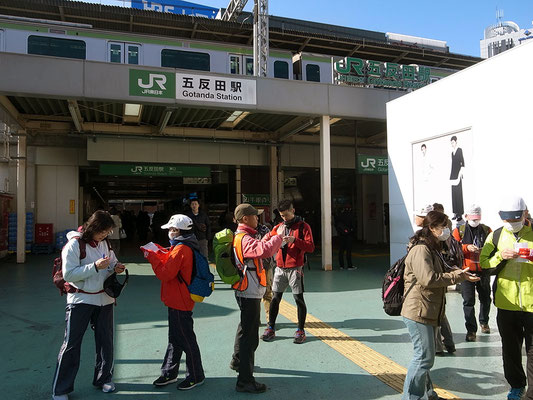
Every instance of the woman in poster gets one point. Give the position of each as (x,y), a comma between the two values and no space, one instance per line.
(456,179)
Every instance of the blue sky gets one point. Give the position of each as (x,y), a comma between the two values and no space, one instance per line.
(460,23)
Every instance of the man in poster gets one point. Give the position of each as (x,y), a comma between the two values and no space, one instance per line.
(456,179)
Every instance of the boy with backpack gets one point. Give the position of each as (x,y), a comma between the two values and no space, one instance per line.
(174,269)
(249,250)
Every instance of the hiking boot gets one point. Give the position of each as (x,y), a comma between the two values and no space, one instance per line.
(269,334)
(299,336)
(485,328)
(190,383)
(252,387)
(163,380)
(60,397)
(471,337)
(351,268)
(451,349)
(516,393)
(108,387)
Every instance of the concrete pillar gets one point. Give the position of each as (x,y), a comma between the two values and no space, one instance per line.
(281,185)
(21,198)
(325,192)
(273,178)
(238,194)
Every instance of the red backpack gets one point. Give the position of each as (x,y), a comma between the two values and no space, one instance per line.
(57,271)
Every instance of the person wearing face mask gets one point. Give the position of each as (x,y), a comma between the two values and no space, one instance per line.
(502,256)
(173,267)
(426,277)
(472,237)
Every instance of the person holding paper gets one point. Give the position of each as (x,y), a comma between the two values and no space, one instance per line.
(173,267)
(502,256)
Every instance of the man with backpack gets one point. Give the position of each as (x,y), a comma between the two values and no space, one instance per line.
(507,254)
(472,237)
(249,250)
(289,271)
(174,269)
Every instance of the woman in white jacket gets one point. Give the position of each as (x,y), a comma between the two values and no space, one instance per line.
(87,261)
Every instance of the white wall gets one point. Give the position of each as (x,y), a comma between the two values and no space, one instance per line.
(492,99)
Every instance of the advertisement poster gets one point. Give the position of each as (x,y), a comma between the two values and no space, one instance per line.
(441,172)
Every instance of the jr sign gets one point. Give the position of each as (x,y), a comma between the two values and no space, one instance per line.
(152,84)
(372,164)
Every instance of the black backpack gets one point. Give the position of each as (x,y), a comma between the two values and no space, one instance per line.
(393,288)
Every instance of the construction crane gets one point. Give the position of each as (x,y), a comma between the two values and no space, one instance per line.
(261,45)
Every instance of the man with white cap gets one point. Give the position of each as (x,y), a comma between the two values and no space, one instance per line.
(174,269)
(506,254)
(472,237)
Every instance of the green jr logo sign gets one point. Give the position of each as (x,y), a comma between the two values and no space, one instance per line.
(152,84)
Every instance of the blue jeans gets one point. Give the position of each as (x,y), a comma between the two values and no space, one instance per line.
(417,383)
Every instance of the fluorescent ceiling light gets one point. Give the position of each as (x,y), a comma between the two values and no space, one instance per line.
(132,110)
(234,116)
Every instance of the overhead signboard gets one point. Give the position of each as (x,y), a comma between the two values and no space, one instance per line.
(192,87)
(155,170)
(372,164)
(176,7)
(256,199)
(358,72)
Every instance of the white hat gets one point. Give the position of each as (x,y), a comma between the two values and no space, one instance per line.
(424,211)
(474,210)
(512,207)
(178,221)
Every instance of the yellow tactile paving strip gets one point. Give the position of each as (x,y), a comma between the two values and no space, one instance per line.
(371,361)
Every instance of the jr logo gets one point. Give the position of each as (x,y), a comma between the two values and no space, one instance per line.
(137,169)
(370,162)
(153,78)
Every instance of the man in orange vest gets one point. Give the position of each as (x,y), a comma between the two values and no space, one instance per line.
(249,250)
(472,237)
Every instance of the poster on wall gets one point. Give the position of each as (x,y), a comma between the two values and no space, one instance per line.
(441,167)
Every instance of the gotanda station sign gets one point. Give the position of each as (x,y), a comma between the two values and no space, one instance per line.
(359,72)
(192,87)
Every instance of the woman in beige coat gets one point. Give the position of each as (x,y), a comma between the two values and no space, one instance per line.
(426,278)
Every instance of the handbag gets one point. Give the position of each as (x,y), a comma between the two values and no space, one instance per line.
(122,233)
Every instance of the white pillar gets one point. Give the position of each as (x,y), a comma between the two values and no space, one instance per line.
(21,198)
(238,194)
(325,192)
(273,178)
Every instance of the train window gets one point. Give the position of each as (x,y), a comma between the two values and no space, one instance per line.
(249,66)
(1,40)
(281,69)
(133,54)
(51,46)
(241,65)
(185,60)
(115,52)
(312,72)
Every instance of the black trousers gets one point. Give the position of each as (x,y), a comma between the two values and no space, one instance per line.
(247,337)
(457,199)
(77,319)
(515,327)
(182,339)
(345,246)
(468,291)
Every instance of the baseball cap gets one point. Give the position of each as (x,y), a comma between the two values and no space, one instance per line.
(474,212)
(246,209)
(424,211)
(512,207)
(178,221)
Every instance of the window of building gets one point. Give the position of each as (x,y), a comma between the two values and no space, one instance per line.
(185,60)
(312,72)
(51,46)
(281,69)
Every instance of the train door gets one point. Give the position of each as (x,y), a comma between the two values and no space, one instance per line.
(124,53)
(241,64)
(1,40)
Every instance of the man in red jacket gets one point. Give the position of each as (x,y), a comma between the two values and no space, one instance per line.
(174,268)
(289,271)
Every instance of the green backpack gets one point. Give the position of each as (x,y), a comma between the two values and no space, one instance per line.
(223,248)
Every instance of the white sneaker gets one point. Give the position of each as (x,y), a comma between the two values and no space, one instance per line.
(60,397)
(108,387)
